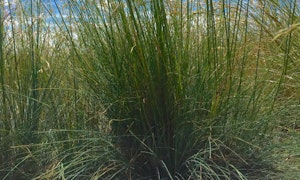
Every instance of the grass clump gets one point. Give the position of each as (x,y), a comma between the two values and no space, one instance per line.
(174,79)
(144,89)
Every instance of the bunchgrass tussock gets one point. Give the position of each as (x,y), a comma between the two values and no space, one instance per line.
(136,89)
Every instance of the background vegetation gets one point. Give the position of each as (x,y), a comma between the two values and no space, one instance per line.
(149,89)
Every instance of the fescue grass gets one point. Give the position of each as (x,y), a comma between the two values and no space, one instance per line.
(145,89)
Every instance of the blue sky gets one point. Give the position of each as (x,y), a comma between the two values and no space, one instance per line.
(51,5)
